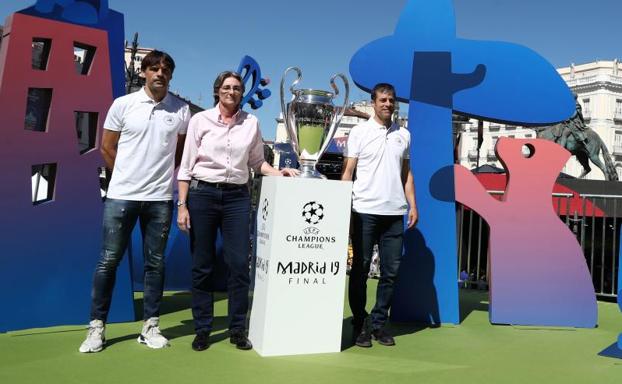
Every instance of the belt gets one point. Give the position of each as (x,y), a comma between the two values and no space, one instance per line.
(223,186)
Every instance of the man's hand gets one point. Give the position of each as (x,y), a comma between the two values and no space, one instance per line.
(413,217)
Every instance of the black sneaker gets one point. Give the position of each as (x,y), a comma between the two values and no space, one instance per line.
(201,341)
(383,337)
(363,339)
(238,337)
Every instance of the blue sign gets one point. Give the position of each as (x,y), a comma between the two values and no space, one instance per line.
(439,74)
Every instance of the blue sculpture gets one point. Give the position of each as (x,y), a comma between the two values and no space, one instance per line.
(249,69)
(79,12)
(95,14)
(437,74)
(48,284)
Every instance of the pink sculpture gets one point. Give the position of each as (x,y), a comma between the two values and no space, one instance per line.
(538,274)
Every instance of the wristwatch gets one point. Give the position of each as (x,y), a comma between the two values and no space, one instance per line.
(180,203)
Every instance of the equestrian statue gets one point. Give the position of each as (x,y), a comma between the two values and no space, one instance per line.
(580,140)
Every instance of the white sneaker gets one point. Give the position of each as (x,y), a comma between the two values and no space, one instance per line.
(151,336)
(95,337)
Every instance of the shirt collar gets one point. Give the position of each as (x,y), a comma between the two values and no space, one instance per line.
(379,126)
(143,97)
(214,115)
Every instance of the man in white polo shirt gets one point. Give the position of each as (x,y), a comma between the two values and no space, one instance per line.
(142,143)
(383,192)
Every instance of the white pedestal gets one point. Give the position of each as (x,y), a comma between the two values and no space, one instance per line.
(302,242)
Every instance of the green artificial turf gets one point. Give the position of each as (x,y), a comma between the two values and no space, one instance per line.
(472,352)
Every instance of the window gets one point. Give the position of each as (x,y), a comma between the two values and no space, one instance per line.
(43,178)
(494,141)
(86,129)
(83,55)
(618,108)
(37,109)
(40,53)
(587,111)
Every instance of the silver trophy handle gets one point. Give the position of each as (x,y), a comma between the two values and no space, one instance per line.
(291,88)
(337,119)
(291,132)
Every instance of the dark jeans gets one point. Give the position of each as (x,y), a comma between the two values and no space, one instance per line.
(120,217)
(211,209)
(368,230)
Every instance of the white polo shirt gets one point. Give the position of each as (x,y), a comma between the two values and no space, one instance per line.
(145,162)
(379,151)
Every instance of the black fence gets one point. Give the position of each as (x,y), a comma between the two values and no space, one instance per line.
(597,231)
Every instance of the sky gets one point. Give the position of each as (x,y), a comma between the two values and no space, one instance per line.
(320,36)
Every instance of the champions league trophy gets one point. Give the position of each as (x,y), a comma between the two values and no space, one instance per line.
(311,120)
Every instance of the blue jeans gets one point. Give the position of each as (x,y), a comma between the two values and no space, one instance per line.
(120,217)
(387,232)
(211,209)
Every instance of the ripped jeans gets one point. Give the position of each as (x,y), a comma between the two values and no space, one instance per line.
(120,217)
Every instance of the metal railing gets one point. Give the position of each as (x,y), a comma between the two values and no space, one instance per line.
(596,226)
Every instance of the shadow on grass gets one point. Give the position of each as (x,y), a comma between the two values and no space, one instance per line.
(171,303)
(46,332)
(395,329)
(612,351)
(472,300)
(186,328)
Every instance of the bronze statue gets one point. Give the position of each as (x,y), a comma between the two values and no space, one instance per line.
(580,140)
(574,126)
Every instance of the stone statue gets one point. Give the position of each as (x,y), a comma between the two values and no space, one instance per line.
(574,126)
(580,140)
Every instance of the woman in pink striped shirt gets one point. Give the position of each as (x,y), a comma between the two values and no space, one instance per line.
(222,143)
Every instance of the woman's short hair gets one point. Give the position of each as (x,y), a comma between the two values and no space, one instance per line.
(221,79)
(156,57)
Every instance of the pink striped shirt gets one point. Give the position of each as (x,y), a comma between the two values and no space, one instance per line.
(221,153)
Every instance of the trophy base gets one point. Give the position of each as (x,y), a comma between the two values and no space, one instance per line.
(308,171)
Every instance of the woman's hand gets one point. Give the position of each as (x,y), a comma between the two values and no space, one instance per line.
(289,172)
(183,218)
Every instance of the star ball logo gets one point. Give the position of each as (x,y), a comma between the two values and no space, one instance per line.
(264,209)
(313,212)
(310,271)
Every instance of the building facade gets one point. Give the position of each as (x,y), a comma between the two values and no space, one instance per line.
(599,88)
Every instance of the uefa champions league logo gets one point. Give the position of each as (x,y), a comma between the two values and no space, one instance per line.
(313,212)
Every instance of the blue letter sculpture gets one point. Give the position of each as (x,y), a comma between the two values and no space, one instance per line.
(249,69)
(437,74)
